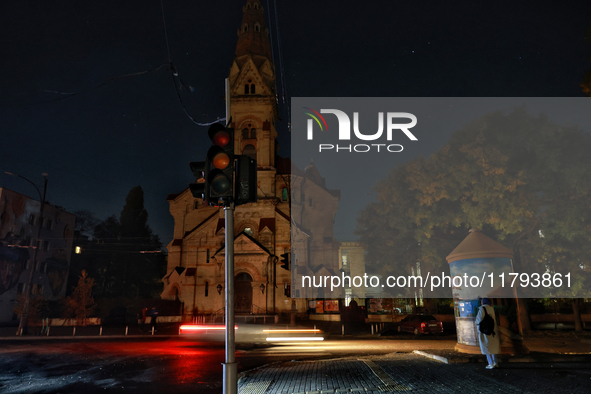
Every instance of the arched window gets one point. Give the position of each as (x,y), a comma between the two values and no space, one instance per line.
(257,28)
(256,6)
(253,133)
(245,28)
(250,151)
(246,89)
(245,133)
(252,90)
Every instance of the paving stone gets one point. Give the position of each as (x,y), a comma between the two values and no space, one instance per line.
(414,374)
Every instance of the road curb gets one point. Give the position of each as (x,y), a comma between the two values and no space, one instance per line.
(542,358)
(431,356)
(76,337)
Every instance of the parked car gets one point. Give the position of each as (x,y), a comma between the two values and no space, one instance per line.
(420,324)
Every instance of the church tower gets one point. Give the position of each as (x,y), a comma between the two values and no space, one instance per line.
(262,230)
(253,95)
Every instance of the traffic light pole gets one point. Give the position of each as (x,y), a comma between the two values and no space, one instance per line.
(230,366)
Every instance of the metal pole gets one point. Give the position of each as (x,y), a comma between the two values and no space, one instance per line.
(230,366)
(22,327)
(230,384)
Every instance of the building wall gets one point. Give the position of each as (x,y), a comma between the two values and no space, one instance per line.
(19,223)
(352,261)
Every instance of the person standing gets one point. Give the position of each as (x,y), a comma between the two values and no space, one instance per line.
(143,316)
(153,317)
(490,344)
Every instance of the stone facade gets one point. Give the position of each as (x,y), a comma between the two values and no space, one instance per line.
(289,201)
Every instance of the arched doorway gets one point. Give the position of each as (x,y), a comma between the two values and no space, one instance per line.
(242,293)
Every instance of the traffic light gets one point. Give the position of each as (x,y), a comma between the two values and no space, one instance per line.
(285,259)
(220,156)
(200,189)
(246,180)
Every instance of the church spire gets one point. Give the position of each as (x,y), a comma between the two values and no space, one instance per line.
(253,35)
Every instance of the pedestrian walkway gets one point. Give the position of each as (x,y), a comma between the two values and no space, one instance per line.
(386,374)
(557,363)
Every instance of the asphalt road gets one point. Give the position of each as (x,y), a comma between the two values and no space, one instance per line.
(152,364)
(193,365)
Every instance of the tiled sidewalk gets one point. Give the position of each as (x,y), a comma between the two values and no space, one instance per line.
(387,374)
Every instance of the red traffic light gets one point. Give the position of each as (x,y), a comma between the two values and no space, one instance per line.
(221,159)
(221,139)
(218,135)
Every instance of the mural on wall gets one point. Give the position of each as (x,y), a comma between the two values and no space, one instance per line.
(12,264)
(56,269)
(20,226)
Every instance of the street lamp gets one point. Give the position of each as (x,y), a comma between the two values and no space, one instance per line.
(22,327)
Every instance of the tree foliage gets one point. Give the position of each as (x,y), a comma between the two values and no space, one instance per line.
(80,305)
(521,179)
(124,254)
(38,308)
(85,222)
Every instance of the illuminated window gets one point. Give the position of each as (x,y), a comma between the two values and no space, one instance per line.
(248,231)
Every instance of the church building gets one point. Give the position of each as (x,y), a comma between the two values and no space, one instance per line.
(291,203)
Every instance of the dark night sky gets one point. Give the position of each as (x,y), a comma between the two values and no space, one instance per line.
(98,144)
